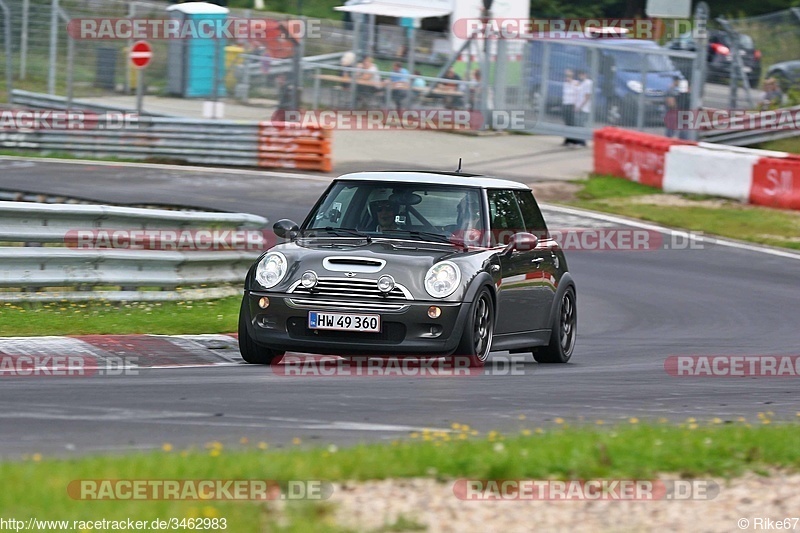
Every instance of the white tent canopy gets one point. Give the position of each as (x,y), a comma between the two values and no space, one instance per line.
(399,9)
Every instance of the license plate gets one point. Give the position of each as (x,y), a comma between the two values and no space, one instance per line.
(344,322)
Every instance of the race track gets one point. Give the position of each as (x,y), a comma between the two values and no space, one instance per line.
(635,310)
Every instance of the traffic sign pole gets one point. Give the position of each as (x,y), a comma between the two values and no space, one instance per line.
(139,90)
(140,56)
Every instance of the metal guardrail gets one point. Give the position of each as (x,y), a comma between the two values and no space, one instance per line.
(752,136)
(29,222)
(48,101)
(43,272)
(197,141)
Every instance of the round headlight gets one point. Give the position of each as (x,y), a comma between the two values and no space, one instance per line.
(308,280)
(635,86)
(386,284)
(442,279)
(271,269)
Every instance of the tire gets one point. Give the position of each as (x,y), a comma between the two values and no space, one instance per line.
(476,341)
(564,332)
(252,352)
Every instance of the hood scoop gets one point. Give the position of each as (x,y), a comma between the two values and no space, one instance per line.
(362,265)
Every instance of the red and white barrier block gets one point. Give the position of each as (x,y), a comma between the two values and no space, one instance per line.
(756,176)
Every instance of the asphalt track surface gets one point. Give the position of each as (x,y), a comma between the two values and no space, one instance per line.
(635,310)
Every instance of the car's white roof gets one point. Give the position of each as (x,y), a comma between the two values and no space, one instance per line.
(440,178)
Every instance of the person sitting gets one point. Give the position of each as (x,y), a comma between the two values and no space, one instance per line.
(399,80)
(457,100)
(369,82)
(385,212)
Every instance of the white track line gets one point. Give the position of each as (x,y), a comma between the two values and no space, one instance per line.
(663,229)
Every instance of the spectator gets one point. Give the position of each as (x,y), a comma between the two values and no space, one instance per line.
(678,99)
(457,100)
(569,99)
(475,91)
(773,95)
(584,105)
(368,82)
(418,83)
(348,60)
(399,81)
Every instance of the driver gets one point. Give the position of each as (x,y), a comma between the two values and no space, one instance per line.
(386,212)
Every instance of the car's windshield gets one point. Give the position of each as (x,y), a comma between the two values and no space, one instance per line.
(398,210)
(633,61)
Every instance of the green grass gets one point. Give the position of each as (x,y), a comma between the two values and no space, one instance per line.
(631,451)
(731,219)
(64,155)
(783,145)
(103,317)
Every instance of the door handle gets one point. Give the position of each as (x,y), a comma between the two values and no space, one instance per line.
(537,261)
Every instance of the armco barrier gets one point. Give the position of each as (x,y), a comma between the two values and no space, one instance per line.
(213,142)
(757,176)
(629,154)
(51,273)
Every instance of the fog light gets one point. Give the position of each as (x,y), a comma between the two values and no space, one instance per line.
(386,284)
(308,280)
(263,303)
(434,312)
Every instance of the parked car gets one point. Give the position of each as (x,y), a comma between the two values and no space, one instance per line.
(619,84)
(412,263)
(720,59)
(787,74)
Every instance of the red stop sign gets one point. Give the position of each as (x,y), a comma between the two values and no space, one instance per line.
(141,53)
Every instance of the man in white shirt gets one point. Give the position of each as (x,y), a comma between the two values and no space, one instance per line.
(584,105)
(569,97)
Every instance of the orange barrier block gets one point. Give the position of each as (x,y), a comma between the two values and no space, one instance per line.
(288,145)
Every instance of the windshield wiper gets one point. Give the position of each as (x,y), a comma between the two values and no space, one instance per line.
(339,232)
(430,235)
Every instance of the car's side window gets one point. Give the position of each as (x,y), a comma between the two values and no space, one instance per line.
(506,218)
(534,220)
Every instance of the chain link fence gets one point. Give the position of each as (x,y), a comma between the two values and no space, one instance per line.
(631,81)
(777,38)
(570,87)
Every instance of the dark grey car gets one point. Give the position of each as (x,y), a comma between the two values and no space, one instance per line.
(413,264)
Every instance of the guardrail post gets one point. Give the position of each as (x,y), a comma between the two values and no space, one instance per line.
(23,40)
(9,60)
(51,73)
(316,88)
(544,84)
(640,115)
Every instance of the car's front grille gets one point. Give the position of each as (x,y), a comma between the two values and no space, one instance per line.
(357,289)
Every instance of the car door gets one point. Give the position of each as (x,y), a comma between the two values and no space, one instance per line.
(515,295)
(545,270)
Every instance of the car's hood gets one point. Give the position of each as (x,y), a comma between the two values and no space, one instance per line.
(406,261)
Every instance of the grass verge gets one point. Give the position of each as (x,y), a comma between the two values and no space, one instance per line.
(112,318)
(726,218)
(631,451)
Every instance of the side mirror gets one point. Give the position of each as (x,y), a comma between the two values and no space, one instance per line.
(286,229)
(522,242)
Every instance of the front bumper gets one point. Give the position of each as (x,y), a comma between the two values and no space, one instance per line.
(283,326)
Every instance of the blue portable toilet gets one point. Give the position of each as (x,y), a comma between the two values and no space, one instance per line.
(191,59)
